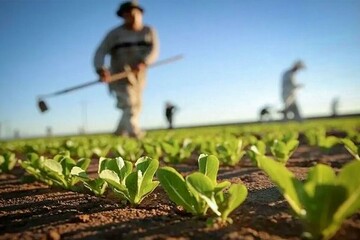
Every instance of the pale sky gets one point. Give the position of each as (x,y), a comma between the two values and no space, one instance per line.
(234,51)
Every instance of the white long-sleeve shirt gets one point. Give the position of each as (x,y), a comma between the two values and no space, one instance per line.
(289,87)
(127,47)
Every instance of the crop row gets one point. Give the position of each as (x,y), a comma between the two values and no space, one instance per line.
(322,202)
(229,148)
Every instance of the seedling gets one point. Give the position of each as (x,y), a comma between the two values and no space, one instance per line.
(7,161)
(326,143)
(200,190)
(97,185)
(56,171)
(230,152)
(352,148)
(177,151)
(324,200)
(282,151)
(258,149)
(133,186)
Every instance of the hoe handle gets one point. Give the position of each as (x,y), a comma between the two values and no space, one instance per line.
(114,77)
(124,74)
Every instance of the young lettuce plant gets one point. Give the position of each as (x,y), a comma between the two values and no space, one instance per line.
(324,200)
(152,149)
(54,171)
(230,152)
(34,165)
(256,150)
(129,149)
(7,161)
(58,170)
(200,190)
(96,185)
(177,151)
(352,148)
(282,151)
(327,142)
(133,186)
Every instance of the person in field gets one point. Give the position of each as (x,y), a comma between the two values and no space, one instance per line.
(169,113)
(131,46)
(289,89)
(265,113)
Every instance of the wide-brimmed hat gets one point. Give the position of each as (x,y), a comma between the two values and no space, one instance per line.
(126,6)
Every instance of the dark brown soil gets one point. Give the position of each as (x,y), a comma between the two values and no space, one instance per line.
(37,211)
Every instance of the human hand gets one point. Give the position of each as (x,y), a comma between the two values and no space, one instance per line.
(104,74)
(139,67)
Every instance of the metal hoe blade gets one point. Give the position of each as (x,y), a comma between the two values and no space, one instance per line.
(42,106)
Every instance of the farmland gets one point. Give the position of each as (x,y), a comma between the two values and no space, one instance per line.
(225,182)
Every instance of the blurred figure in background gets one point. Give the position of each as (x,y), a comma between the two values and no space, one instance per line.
(266,113)
(334,106)
(289,88)
(169,113)
(130,45)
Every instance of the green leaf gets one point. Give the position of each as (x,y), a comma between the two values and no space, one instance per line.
(133,181)
(53,166)
(323,198)
(102,164)
(236,195)
(351,147)
(148,168)
(221,186)
(113,180)
(171,148)
(67,164)
(54,171)
(202,186)
(289,186)
(79,172)
(349,178)
(209,165)
(200,182)
(83,163)
(174,185)
(318,175)
(97,186)
(125,171)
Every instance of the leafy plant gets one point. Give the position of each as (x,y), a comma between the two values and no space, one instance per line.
(34,165)
(56,171)
(176,151)
(326,143)
(324,200)
(152,149)
(282,151)
(230,152)
(7,161)
(352,148)
(133,186)
(258,149)
(313,134)
(129,149)
(97,185)
(200,190)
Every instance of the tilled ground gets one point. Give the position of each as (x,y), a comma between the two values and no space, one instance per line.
(37,211)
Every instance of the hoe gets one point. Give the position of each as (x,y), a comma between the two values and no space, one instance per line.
(116,77)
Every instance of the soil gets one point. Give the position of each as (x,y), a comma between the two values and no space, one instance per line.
(37,211)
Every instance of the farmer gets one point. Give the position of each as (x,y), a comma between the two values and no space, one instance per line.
(265,113)
(289,88)
(169,112)
(133,46)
